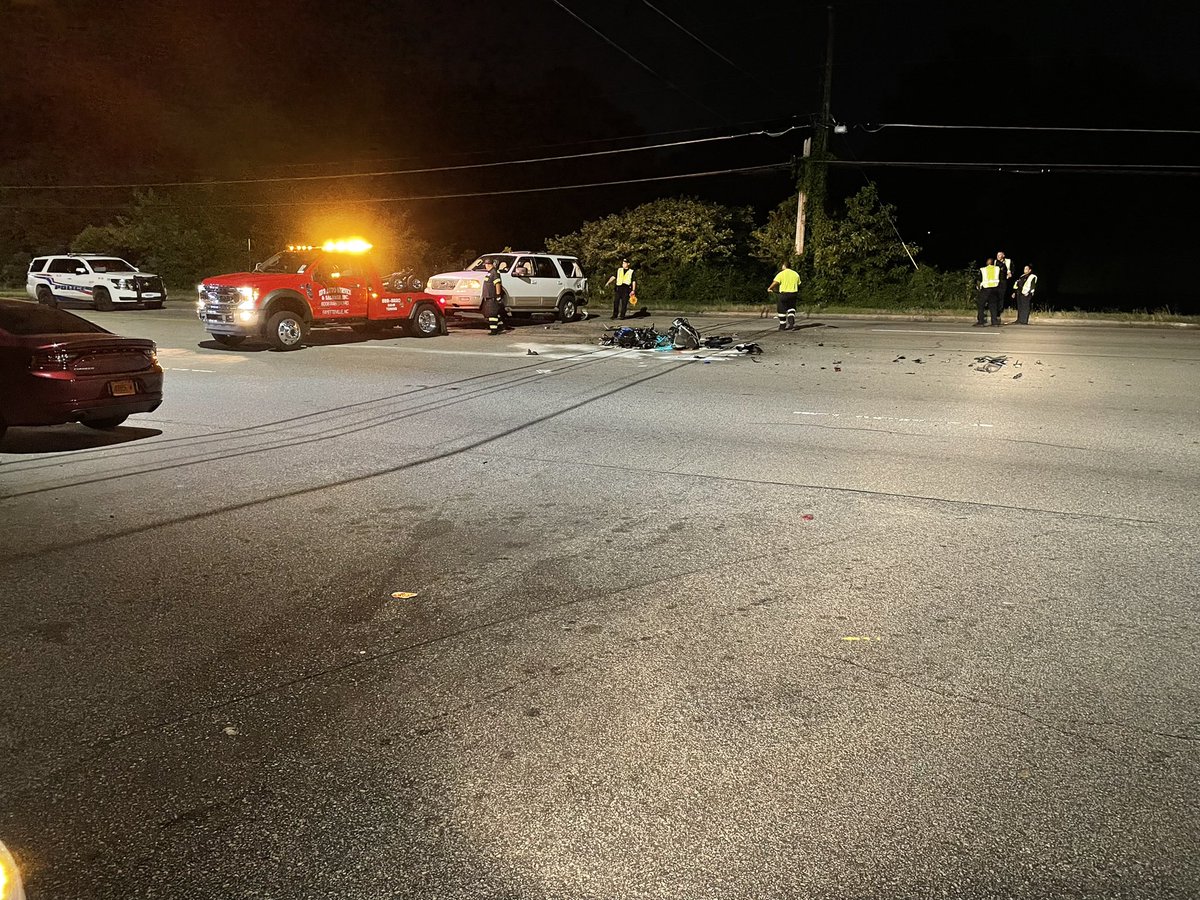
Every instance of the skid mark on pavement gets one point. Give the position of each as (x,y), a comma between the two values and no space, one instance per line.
(558,351)
(865,418)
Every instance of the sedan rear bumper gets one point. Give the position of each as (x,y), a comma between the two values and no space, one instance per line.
(58,400)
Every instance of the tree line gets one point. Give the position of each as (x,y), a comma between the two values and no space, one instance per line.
(688,252)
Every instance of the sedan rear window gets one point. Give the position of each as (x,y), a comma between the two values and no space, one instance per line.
(31,318)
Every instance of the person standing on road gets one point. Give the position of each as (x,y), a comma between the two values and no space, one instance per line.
(1023,291)
(988,296)
(626,285)
(787,282)
(493,297)
(1006,277)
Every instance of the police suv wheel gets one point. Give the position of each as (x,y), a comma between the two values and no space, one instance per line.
(46,298)
(567,310)
(426,323)
(286,330)
(103,300)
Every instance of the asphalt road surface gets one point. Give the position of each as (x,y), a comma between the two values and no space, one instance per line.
(851,618)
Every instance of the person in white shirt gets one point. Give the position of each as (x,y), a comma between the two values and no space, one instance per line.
(1023,291)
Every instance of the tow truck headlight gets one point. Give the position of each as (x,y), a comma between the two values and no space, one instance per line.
(10,877)
(249,297)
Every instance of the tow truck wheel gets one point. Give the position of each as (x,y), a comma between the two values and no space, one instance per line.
(286,330)
(229,340)
(46,298)
(567,310)
(110,422)
(426,322)
(103,300)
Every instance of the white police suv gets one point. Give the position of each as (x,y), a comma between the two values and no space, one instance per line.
(101,281)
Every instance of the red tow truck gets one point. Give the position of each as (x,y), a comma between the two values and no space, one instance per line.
(305,287)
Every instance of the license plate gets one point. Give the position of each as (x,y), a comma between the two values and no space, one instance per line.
(122,388)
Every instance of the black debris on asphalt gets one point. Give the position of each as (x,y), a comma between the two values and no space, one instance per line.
(680,336)
(989,364)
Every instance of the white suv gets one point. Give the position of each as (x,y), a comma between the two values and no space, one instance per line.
(102,281)
(533,282)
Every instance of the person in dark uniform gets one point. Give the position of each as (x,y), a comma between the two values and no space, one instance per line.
(493,297)
(1023,291)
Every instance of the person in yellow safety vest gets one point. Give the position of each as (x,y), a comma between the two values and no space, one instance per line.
(1023,291)
(788,284)
(989,296)
(626,285)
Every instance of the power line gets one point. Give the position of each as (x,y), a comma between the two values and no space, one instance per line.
(626,53)
(883,207)
(744,170)
(528,147)
(345,176)
(714,52)
(1029,168)
(878,128)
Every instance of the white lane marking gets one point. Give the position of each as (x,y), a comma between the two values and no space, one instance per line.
(800,412)
(178,369)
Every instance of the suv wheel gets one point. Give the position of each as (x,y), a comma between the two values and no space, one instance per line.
(102,298)
(46,298)
(567,310)
(286,330)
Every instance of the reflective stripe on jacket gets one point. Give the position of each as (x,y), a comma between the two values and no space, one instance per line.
(991,276)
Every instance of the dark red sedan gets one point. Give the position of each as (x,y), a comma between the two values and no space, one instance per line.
(56,367)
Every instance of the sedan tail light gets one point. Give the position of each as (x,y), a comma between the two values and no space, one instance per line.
(57,360)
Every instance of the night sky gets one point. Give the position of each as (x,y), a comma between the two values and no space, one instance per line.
(144,91)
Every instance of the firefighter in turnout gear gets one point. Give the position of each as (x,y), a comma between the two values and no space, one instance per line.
(989,297)
(493,297)
(788,284)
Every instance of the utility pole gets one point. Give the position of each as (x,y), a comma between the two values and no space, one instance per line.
(827,90)
(813,186)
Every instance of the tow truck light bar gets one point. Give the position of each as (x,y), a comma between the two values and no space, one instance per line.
(350,245)
(346,245)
